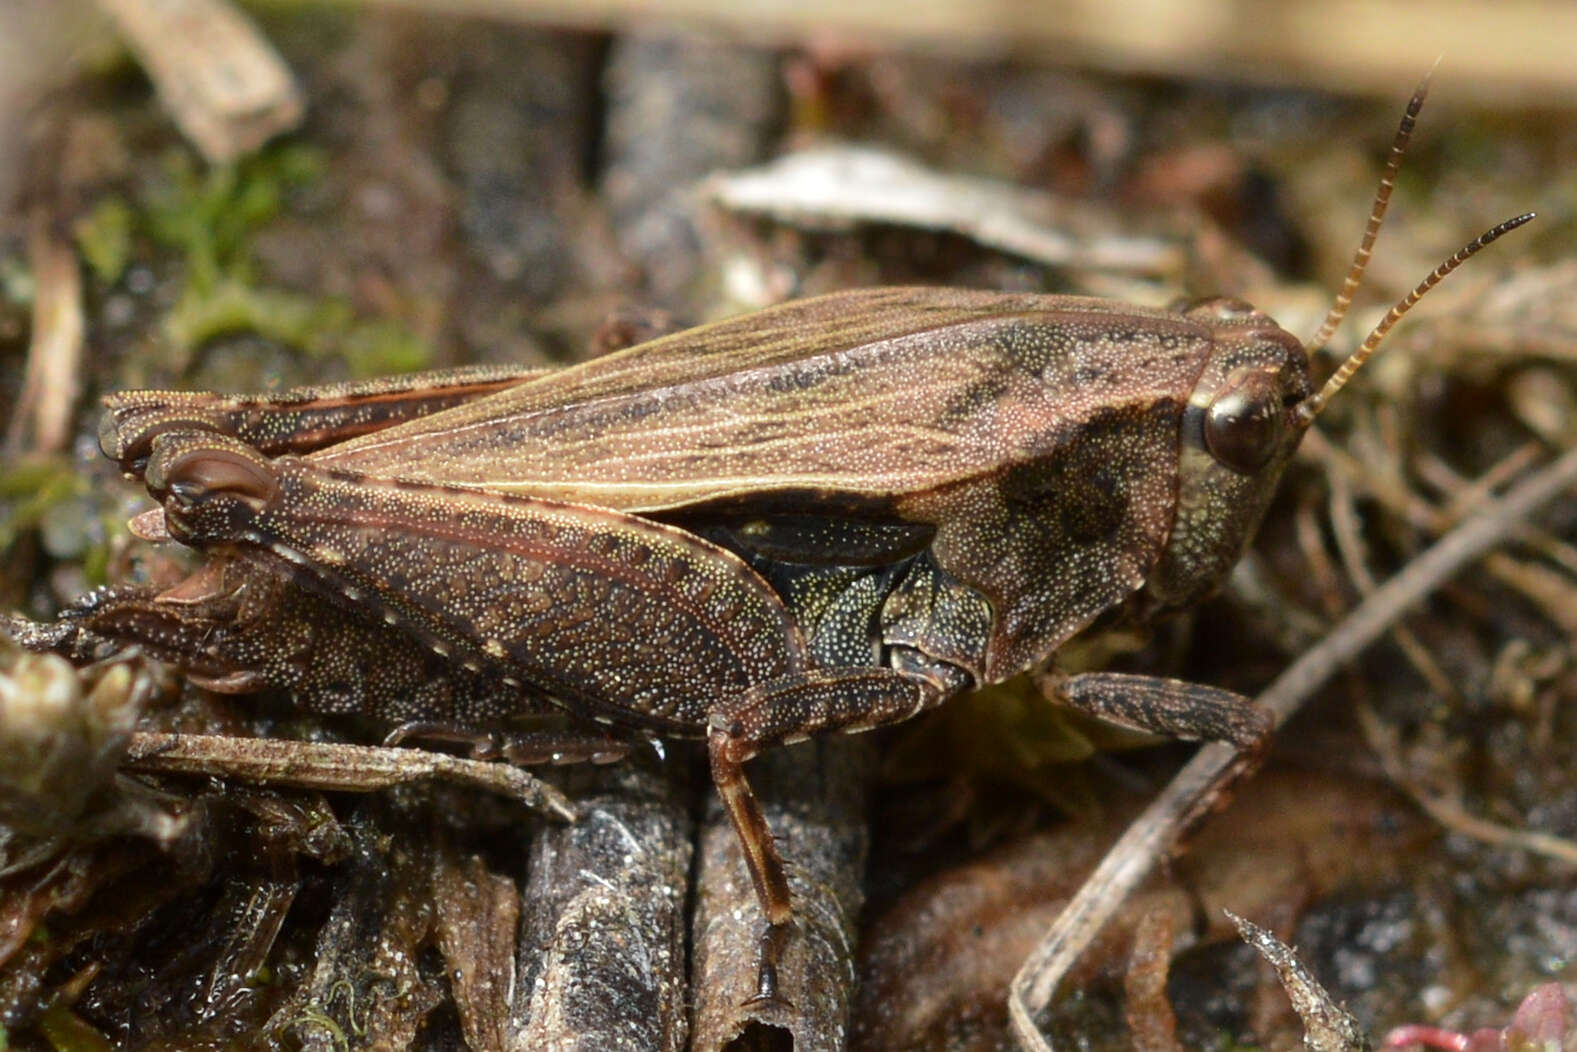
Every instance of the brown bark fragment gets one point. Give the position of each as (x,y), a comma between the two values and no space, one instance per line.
(601,955)
(478,917)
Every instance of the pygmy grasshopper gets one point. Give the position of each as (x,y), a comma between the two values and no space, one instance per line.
(828,515)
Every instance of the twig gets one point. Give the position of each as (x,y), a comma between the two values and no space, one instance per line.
(1152,1024)
(1386,488)
(1382,739)
(1155,833)
(1349,543)
(476,926)
(332,766)
(224,85)
(41,421)
(1327,1026)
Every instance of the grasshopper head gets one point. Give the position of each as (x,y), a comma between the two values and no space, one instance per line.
(1239,430)
(1253,403)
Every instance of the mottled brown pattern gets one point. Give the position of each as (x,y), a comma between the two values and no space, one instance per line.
(1039,428)
(856,394)
(939,616)
(870,502)
(1055,541)
(631,620)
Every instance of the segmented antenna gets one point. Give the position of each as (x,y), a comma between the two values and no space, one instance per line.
(1382,200)
(1311,407)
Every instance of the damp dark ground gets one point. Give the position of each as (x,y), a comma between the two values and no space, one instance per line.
(464,192)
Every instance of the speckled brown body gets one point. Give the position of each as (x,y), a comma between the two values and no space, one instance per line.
(1039,440)
(827,515)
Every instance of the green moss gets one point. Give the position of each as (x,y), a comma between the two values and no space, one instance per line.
(379,346)
(229,306)
(16,281)
(96,560)
(209,217)
(103,237)
(320,328)
(29,491)
(1228,1043)
(210,214)
(52,498)
(314,1017)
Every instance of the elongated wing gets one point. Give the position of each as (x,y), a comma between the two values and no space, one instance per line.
(854,399)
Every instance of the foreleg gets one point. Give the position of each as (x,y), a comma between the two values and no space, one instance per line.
(1176,709)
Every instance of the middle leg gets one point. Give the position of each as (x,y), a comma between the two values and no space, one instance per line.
(822,700)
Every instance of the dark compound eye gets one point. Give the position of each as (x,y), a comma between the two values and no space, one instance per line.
(1243,425)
